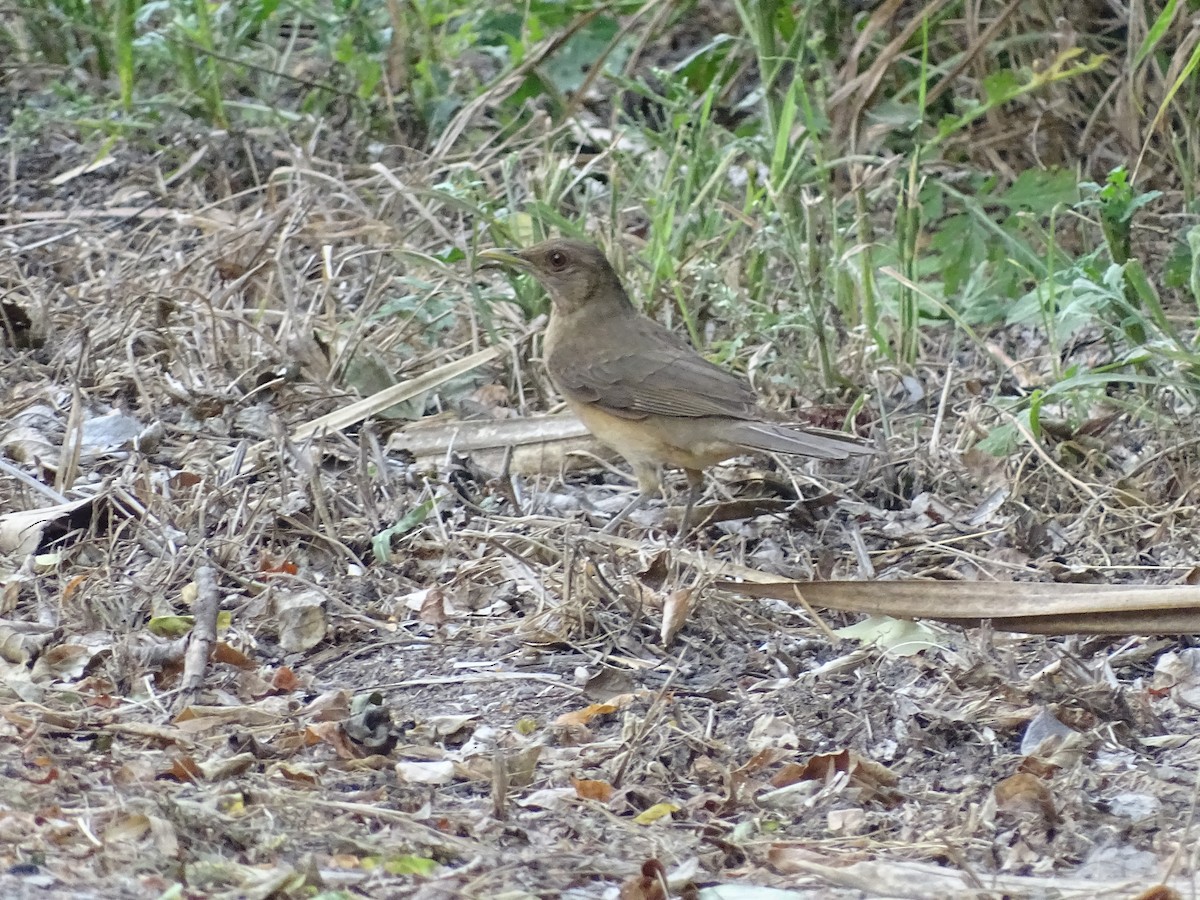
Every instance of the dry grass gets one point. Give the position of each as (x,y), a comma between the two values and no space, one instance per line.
(495,697)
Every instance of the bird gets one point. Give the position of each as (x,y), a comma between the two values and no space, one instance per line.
(643,390)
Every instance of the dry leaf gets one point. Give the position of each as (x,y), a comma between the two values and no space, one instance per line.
(1158,892)
(676,607)
(1025,792)
(588,789)
(520,767)
(185,769)
(873,780)
(1028,607)
(650,884)
(585,715)
(433,607)
(440,772)
(131,828)
(22,533)
(301,620)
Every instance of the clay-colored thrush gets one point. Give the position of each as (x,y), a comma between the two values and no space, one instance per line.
(641,389)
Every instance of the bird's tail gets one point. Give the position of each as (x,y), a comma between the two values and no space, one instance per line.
(819,443)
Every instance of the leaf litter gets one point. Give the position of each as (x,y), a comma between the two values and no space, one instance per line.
(493,697)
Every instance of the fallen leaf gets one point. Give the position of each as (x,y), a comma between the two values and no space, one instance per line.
(873,780)
(649,884)
(655,812)
(185,769)
(1025,792)
(440,772)
(589,789)
(301,620)
(585,715)
(895,637)
(23,532)
(410,865)
(676,607)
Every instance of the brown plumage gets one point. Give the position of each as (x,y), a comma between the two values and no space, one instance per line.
(641,389)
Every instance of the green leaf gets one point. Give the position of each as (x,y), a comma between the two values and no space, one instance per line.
(171,626)
(381,544)
(701,67)
(410,865)
(1002,441)
(1040,190)
(1155,34)
(999,87)
(1035,411)
(896,637)
(567,68)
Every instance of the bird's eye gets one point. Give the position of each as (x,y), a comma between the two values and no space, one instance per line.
(558,259)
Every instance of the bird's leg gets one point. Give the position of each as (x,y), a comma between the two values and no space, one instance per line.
(649,486)
(695,479)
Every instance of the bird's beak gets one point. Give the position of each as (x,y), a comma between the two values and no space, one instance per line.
(511,259)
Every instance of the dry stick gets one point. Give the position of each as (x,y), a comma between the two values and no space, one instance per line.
(598,66)
(652,716)
(29,481)
(936,434)
(866,568)
(414,827)
(203,636)
(1040,451)
(863,86)
(1173,863)
(506,83)
(318,500)
(984,40)
(72,446)
(812,614)
(500,785)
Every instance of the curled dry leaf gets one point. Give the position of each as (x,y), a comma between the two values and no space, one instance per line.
(184,769)
(297,774)
(446,726)
(649,884)
(676,607)
(872,780)
(66,662)
(1026,793)
(23,532)
(585,715)
(229,767)
(301,619)
(19,641)
(1178,673)
(438,772)
(433,607)
(590,789)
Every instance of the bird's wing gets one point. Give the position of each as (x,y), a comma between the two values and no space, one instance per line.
(652,373)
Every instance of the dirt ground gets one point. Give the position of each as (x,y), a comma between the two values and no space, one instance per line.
(499,701)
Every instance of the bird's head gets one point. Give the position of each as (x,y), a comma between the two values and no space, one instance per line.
(575,273)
